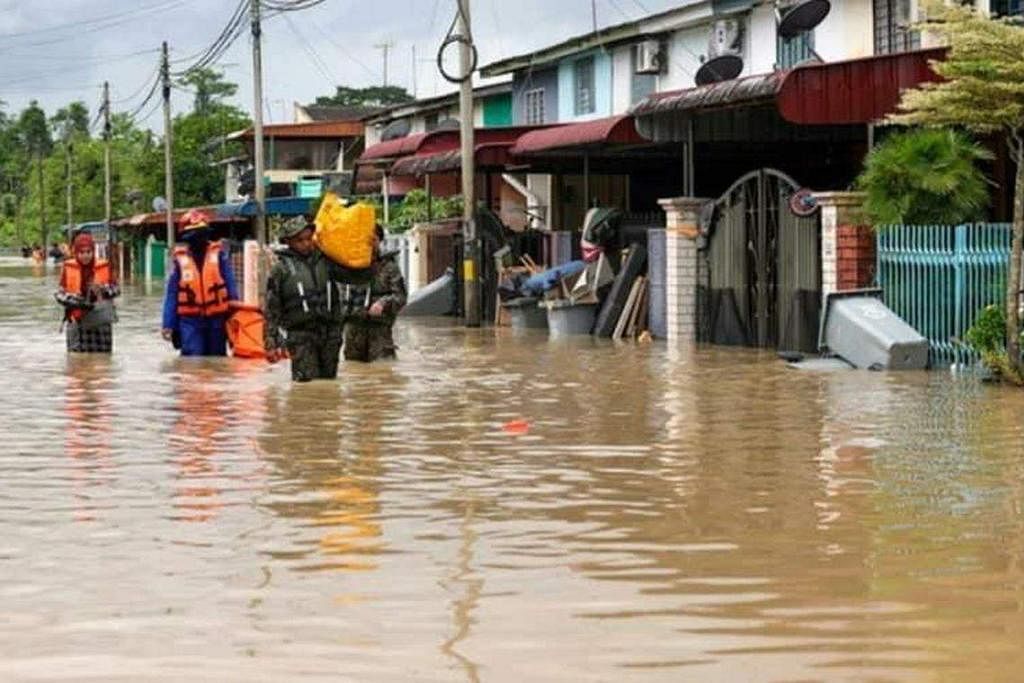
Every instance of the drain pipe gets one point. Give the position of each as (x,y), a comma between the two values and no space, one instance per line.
(533,204)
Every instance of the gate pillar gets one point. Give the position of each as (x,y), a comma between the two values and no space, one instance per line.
(847,242)
(682,228)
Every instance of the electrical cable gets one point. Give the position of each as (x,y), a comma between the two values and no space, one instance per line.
(453,38)
(318,62)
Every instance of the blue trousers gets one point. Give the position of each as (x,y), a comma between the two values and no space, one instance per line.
(203,336)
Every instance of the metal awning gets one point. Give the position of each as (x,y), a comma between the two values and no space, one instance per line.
(275,206)
(588,135)
(859,91)
(490,155)
(389,150)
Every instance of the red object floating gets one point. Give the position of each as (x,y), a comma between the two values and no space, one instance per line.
(516,427)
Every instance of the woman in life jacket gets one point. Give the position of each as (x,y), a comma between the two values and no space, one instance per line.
(199,291)
(87,289)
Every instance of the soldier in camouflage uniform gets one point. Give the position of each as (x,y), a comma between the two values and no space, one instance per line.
(304,301)
(372,308)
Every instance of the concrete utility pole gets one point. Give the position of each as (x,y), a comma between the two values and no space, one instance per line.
(42,205)
(257,116)
(106,153)
(415,90)
(471,249)
(165,74)
(69,151)
(386,48)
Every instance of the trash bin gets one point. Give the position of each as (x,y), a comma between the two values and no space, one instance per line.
(863,331)
(525,314)
(566,318)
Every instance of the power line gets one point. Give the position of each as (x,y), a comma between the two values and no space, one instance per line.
(78,25)
(224,40)
(84,28)
(318,62)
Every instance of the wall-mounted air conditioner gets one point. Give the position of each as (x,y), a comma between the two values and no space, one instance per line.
(648,57)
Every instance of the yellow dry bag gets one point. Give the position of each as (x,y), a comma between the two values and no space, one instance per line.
(345,234)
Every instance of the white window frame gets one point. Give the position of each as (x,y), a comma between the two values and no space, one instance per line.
(584,99)
(534,104)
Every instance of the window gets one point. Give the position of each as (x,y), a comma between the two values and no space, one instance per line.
(430,122)
(534,101)
(1005,8)
(584,86)
(641,85)
(792,51)
(892,27)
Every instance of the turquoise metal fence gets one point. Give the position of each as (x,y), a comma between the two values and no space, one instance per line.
(939,277)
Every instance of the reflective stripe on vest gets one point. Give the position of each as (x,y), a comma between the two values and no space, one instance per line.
(201,293)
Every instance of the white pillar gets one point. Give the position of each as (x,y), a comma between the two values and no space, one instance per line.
(681,232)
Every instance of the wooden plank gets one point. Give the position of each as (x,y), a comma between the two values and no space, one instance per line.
(642,322)
(627,309)
(634,314)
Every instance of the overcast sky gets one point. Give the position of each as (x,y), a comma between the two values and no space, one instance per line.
(57,51)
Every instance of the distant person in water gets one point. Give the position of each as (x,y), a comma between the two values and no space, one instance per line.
(87,289)
(199,291)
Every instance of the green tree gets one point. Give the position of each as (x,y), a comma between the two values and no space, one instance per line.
(210,89)
(925,177)
(197,177)
(372,96)
(982,91)
(34,134)
(71,122)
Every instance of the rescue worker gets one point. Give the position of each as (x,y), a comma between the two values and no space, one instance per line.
(87,287)
(371,308)
(304,302)
(199,291)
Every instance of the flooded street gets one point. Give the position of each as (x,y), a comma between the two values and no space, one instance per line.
(661,515)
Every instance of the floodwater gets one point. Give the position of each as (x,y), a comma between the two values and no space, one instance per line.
(651,514)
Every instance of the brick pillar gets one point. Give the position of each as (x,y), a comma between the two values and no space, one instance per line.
(681,232)
(847,244)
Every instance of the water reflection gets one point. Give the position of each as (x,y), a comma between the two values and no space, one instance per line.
(88,427)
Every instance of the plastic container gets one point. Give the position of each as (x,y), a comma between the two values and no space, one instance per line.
(863,331)
(309,187)
(525,314)
(566,318)
(345,234)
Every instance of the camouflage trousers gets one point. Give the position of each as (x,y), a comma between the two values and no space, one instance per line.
(314,352)
(368,342)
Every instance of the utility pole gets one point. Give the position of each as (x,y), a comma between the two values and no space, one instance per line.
(42,204)
(415,93)
(386,48)
(471,249)
(69,151)
(165,74)
(593,14)
(106,153)
(257,116)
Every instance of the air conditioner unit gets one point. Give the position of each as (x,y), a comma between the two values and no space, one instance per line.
(647,57)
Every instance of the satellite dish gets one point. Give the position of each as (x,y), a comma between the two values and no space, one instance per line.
(803,17)
(803,203)
(721,68)
(398,128)
(159,204)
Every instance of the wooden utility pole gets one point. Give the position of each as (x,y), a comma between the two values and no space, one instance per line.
(259,220)
(471,248)
(165,72)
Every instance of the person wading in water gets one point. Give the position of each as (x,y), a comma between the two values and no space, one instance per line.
(87,289)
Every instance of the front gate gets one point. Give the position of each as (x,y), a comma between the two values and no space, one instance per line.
(762,267)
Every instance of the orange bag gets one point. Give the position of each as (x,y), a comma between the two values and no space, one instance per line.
(245,331)
(345,234)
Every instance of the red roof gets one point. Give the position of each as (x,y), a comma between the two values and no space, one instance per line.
(855,91)
(390,149)
(614,130)
(488,155)
(440,141)
(317,129)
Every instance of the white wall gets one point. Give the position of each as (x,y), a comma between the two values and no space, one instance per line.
(847,32)
(622,78)
(760,51)
(684,50)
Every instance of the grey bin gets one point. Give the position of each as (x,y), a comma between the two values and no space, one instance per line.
(525,314)
(566,318)
(863,331)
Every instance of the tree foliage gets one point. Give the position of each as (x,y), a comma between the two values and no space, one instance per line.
(925,177)
(372,96)
(210,89)
(982,91)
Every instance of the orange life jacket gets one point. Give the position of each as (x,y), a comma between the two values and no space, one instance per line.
(201,292)
(71,280)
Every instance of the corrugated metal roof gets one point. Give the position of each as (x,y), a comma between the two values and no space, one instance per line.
(441,141)
(614,130)
(724,94)
(855,91)
(317,129)
(392,149)
(489,155)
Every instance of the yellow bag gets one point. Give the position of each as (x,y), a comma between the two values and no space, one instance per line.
(345,234)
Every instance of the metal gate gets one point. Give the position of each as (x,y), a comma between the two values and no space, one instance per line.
(762,268)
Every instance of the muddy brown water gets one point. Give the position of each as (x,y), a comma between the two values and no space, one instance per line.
(668,515)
